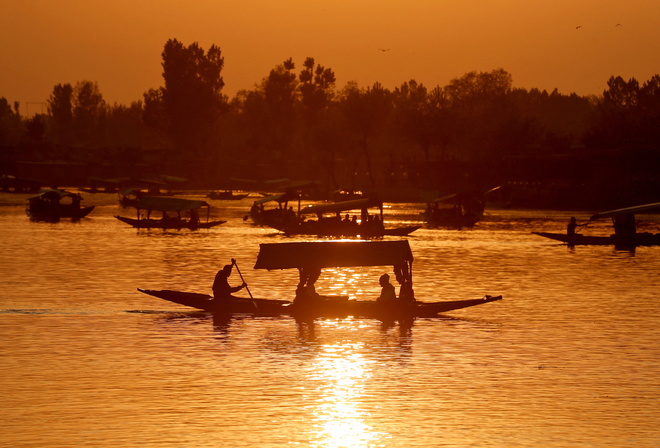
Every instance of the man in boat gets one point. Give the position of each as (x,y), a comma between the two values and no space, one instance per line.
(403,276)
(306,291)
(570,228)
(624,226)
(221,288)
(387,293)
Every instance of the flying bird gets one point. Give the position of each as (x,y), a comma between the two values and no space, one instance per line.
(578,27)
(384,49)
(618,24)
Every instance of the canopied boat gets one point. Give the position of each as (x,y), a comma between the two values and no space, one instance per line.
(53,204)
(310,258)
(177,213)
(274,210)
(457,210)
(226,195)
(329,221)
(625,230)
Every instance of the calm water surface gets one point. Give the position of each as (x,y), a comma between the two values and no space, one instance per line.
(568,359)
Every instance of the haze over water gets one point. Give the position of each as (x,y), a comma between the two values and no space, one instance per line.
(567,359)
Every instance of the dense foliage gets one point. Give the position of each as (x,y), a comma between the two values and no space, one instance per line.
(475,132)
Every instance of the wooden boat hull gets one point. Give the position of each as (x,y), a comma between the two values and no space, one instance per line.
(205,302)
(59,212)
(226,196)
(640,239)
(323,307)
(173,224)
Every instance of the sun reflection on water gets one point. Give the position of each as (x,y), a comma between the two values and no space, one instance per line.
(339,374)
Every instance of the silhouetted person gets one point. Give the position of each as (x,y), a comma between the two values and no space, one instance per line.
(387,293)
(624,226)
(221,288)
(570,228)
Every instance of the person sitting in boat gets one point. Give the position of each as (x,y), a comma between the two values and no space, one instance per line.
(387,293)
(306,291)
(570,228)
(624,226)
(402,274)
(221,288)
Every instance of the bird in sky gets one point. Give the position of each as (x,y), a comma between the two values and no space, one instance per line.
(578,27)
(384,49)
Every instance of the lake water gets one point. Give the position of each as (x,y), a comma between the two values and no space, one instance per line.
(569,358)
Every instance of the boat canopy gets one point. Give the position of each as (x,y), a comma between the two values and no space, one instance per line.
(167,204)
(337,207)
(325,254)
(54,194)
(281,197)
(627,211)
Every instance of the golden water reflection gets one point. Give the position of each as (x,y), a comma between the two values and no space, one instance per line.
(339,374)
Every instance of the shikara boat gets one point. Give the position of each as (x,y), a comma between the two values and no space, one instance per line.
(310,258)
(625,234)
(51,205)
(329,221)
(226,195)
(146,205)
(274,210)
(457,210)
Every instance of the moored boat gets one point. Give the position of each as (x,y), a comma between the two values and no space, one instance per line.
(329,221)
(226,195)
(457,210)
(263,212)
(53,204)
(165,205)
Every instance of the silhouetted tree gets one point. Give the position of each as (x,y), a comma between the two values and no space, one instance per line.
(88,113)
(191,98)
(316,86)
(366,111)
(11,127)
(36,128)
(60,108)
(279,93)
(479,105)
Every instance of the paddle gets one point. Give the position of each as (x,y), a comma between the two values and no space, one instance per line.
(233,261)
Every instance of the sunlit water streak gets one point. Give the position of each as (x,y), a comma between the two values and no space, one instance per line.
(567,359)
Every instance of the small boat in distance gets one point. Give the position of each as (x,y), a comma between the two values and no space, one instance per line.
(226,195)
(52,204)
(457,210)
(310,258)
(165,205)
(329,221)
(263,213)
(625,234)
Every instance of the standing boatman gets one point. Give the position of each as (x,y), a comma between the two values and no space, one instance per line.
(221,288)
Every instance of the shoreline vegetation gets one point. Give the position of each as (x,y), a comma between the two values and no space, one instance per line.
(546,149)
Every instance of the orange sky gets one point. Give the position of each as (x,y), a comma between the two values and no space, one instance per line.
(118,43)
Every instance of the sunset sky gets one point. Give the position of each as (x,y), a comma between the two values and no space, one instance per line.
(571,45)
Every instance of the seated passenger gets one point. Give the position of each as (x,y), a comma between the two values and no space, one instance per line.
(387,293)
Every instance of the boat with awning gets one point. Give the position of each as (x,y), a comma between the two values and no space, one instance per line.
(52,204)
(625,229)
(327,220)
(177,213)
(310,258)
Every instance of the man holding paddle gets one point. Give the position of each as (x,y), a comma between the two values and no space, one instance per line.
(221,288)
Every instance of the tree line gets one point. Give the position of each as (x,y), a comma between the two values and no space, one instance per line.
(476,131)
